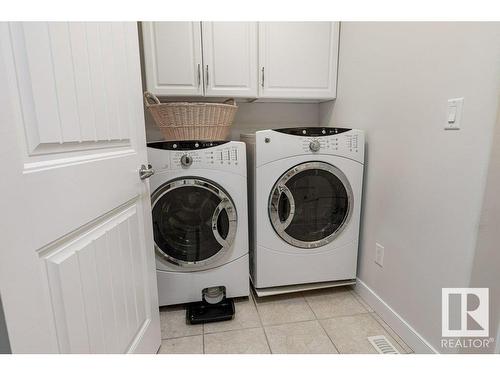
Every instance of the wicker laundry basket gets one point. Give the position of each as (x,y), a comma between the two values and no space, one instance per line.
(189,121)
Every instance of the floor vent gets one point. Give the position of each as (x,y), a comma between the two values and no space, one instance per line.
(382,345)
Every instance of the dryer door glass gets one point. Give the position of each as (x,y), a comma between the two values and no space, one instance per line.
(311,204)
(194,221)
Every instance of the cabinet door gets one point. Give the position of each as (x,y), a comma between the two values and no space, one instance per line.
(298,59)
(230,58)
(172,56)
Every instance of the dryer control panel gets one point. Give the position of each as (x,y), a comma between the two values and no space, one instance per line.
(348,142)
(284,143)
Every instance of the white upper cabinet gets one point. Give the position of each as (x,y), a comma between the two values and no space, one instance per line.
(230,59)
(173,58)
(269,60)
(298,60)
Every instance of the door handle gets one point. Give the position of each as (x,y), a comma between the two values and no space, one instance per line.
(283,189)
(215,218)
(146,172)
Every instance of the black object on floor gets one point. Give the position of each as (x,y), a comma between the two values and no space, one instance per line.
(203,312)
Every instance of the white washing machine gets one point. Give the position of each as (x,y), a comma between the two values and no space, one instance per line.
(305,188)
(200,219)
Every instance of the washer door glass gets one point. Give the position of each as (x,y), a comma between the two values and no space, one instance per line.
(194,221)
(310,204)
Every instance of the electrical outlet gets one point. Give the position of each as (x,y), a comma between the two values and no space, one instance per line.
(379,254)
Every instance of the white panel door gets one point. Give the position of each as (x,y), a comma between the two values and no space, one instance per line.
(230,58)
(172,56)
(77,271)
(298,59)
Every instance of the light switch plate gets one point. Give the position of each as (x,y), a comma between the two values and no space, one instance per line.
(454,114)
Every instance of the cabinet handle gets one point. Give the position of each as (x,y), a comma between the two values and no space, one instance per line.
(207,76)
(262,83)
(199,75)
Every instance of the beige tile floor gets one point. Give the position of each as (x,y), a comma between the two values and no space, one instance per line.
(329,321)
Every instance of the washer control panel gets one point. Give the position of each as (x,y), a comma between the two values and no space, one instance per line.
(228,155)
(312,131)
(352,142)
(191,155)
(185,145)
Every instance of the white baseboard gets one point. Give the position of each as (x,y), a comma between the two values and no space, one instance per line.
(394,320)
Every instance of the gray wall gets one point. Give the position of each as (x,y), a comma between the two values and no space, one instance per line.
(486,268)
(4,338)
(423,186)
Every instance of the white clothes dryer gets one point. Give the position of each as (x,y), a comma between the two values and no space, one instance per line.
(305,187)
